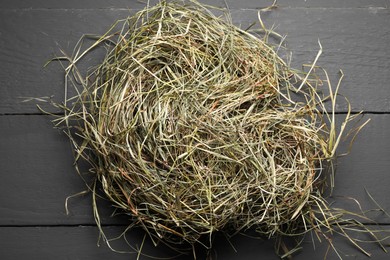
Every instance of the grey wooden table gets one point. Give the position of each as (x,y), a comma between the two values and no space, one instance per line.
(36,173)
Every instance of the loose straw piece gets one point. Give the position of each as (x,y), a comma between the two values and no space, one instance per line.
(189,126)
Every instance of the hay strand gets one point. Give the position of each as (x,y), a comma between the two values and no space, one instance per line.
(190,126)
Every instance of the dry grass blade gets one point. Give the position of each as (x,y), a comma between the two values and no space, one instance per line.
(190,127)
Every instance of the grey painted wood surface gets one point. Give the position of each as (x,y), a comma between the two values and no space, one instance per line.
(359,48)
(36,160)
(246,4)
(80,242)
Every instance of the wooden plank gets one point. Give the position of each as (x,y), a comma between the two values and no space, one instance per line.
(36,162)
(38,174)
(366,167)
(355,40)
(23,35)
(57,242)
(80,243)
(247,4)
(344,35)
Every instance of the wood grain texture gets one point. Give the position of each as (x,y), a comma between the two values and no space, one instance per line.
(36,160)
(38,175)
(246,4)
(81,243)
(29,38)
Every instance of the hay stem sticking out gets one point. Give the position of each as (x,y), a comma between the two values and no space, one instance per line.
(190,126)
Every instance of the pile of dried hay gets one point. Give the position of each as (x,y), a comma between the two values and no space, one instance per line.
(190,125)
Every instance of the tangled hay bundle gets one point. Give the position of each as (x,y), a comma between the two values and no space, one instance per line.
(190,125)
